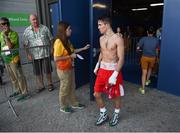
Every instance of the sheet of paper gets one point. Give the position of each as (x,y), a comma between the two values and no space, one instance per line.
(80,57)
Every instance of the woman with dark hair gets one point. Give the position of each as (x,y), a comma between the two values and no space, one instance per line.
(64,55)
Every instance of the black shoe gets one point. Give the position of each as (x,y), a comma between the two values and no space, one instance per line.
(40,90)
(114,120)
(50,87)
(102,118)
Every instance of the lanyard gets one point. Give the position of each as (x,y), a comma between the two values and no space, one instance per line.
(36,34)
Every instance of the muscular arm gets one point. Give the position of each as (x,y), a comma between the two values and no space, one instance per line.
(120,53)
(98,63)
(100,55)
(100,58)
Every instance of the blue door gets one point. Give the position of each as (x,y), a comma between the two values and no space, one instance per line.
(55,16)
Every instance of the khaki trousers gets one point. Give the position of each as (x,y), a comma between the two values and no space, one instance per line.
(67,88)
(17,77)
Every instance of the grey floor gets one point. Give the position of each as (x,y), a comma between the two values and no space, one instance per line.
(154,111)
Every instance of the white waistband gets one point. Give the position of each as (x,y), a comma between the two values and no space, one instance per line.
(108,66)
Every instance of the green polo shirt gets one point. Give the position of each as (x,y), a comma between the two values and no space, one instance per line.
(9,56)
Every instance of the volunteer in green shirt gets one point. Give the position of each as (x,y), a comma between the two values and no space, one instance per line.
(9,41)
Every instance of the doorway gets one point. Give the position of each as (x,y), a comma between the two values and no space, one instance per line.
(134,18)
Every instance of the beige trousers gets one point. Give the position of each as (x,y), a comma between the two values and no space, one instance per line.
(67,88)
(17,77)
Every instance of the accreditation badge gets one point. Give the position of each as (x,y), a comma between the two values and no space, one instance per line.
(6,48)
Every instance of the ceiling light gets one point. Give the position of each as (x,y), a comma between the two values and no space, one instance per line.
(139,9)
(99,5)
(157,4)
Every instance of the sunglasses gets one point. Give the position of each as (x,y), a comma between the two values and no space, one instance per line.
(5,23)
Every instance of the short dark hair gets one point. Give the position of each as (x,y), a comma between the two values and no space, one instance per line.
(5,20)
(151,30)
(106,19)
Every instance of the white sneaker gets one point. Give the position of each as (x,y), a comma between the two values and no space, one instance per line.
(102,118)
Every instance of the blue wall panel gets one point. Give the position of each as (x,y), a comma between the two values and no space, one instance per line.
(55,17)
(76,12)
(169,72)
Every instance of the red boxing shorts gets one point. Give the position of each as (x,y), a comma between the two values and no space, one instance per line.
(101,84)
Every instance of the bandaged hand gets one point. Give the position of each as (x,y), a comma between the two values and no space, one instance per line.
(96,68)
(112,80)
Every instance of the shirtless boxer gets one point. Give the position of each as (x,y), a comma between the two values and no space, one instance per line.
(108,70)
